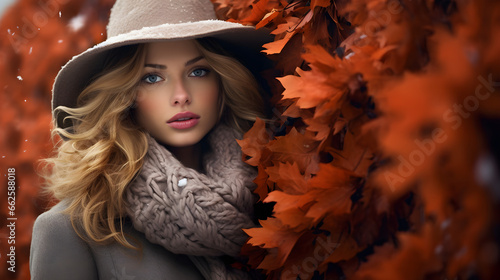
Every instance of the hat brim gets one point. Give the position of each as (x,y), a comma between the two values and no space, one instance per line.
(78,72)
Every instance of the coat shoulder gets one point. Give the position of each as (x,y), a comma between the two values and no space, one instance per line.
(53,222)
(57,252)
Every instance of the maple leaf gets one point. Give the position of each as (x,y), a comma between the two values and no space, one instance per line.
(322,87)
(269,17)
(272,235)
(254,142)
(321,126)
(331,189)
(261,181)
(311,88)
(292,111)
(352,156)
(259,10)
(290,210)
(324,61)
(340,123)
(290,56)
(288,177)
(285,31)
(296,147)
(277,46)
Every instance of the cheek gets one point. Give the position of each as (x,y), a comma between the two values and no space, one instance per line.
(210,95)
(212,104)
(143,102)
(147,105)
(148,108)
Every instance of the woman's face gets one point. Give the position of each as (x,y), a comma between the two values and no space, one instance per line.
(177,99)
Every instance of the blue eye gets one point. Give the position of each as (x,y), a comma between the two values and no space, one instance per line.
(152,79)
(199,73)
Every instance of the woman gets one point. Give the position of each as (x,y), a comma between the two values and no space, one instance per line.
(149,174)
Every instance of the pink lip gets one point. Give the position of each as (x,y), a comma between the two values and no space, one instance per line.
(177,122)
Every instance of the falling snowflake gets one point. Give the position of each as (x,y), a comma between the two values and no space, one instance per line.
(19,78)
(77,22)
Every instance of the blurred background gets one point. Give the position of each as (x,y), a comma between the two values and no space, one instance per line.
(4,4)
(37,37)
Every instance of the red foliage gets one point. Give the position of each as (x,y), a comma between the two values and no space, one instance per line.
(388,156)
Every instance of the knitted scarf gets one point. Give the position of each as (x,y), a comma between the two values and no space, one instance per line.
(187,212)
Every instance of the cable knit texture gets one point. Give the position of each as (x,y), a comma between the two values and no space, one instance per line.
(187,212)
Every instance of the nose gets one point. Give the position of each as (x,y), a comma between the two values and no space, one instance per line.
(180,96)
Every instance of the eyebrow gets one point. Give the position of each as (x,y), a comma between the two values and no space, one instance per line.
(158,66)
(163,67)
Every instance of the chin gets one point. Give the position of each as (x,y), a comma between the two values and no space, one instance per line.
(182,144)
(181,140)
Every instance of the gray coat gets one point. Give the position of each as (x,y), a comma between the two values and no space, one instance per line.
(57,252)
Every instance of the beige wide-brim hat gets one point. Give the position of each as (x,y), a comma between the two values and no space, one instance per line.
(133,22)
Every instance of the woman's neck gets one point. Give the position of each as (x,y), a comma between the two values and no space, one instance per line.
(189,156)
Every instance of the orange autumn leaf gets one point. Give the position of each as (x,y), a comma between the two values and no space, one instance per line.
(290,25)
(269,17)
(321,126)
(352,156)
(296,147)
(340,123)
(261,181)
(259,10)
(318,56)
(310,88)
(288,177)
(272,235)
(292,111)
(335,201)
(331,189)
(253,142)
(294,218)
(324,85)
(290,210)
(284,32)
(277,46)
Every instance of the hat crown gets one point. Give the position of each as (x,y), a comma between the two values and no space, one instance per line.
(129,15)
